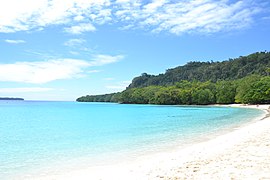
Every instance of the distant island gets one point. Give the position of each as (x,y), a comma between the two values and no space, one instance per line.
(8,98)
(241,80)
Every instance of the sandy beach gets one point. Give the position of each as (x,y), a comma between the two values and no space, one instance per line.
(243,153)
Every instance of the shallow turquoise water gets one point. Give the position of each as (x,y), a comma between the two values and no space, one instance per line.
(37,137)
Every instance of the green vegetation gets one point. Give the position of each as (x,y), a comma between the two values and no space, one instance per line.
(242,80)
(100,98)
(8,98)
(257,63)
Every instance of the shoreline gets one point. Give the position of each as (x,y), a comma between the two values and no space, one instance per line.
(247,156)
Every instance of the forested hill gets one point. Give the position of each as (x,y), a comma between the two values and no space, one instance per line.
(231,69)
(242,80)
(8,98)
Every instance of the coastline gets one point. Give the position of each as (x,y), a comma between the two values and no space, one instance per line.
(246,157)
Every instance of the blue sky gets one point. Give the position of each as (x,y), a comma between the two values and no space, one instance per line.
(60,50)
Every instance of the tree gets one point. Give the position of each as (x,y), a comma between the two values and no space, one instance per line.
(203,97)
(243,86)
(259,92)
(185,97)
(226,91)
(167,96)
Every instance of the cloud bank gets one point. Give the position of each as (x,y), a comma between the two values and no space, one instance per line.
(176,17)
(13,41)
(46,71)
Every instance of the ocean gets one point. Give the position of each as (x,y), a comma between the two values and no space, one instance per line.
(39,137)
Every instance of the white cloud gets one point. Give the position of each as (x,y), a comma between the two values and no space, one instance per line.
(177,17)
(42,71)
(46,71)
(23,15)
(13,41)
(74,52)
(119,86)
(101,59)
(94,71)
(203,16)
(74,42)
(80,28)
(24,90)
(154,5)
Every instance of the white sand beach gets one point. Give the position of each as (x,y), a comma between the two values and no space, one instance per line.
(243,153)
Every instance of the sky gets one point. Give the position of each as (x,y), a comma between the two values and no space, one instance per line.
(64,49)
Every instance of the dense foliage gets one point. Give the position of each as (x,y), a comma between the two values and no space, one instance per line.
(231,69)
(8,98)
(113,97)
(251,89)
(242,80)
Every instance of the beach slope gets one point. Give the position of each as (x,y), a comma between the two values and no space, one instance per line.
(241,154)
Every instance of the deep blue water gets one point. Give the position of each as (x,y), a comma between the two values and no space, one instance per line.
(35,136)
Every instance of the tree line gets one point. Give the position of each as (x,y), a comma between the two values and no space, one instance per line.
(253,89)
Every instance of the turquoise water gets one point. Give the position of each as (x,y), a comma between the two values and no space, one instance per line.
(37,137)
